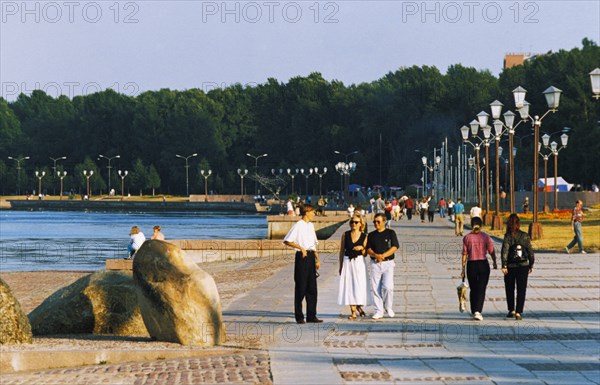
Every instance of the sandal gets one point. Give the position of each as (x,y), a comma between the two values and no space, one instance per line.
(511,314)
(360,311)
(518,316)
(352,317)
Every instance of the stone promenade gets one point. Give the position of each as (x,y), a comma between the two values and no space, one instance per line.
(428,342)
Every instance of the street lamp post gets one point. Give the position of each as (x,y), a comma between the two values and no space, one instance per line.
(292,174)
(40,175)
(345,169)
(87,175)
(122,175)
(431,170)
(54,169)
(552,95)
(187,168)
(18,160)
(56,160)
(242,174)
(564,139)
(205,174)
(256,158)
(109,166)
(306,175)
(474,129)
(62,176)
(320,178)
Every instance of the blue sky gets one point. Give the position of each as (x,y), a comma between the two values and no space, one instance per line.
(78,47)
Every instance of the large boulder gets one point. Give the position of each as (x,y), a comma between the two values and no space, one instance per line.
(14,325)
(179,301)
(101,303)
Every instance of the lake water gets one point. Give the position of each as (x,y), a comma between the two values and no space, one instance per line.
(53,240)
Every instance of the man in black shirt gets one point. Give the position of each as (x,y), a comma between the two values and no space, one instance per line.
(381,246)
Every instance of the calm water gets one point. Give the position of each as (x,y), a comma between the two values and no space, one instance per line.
(50,240)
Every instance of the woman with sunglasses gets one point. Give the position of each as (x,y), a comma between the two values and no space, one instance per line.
(353,272)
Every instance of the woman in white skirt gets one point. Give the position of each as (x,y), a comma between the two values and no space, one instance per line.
(353,272)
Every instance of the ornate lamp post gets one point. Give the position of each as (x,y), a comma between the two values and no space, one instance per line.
(345,169)
(464,130)
(564,139)
(431,170)
(320,178)
(205,174)
(552,95)
(62,176)
(187,167)
(109,167)
(40,175)
(595,79)
(256,158)
(87,175)
(122,174)
(306,174)
(292,175)
(242,174)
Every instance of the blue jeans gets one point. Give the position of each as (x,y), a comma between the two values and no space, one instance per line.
(578,238)
(442,214)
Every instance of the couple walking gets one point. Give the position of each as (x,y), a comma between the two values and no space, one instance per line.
(380,245)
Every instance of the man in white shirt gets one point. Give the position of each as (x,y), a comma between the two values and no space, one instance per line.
(475,212)
(302,236)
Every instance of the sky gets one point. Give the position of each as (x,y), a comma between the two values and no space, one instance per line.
(75,48)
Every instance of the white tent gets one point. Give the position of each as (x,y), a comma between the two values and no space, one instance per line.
(562,184)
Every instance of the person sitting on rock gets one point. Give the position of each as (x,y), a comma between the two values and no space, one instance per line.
(136,238)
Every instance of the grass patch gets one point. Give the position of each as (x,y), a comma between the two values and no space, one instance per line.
(557,230)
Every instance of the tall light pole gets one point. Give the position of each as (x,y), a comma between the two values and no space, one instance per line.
(564,139)
(242,174)
(62,176)
(292,173)
(431,170)
(320,178)
(40,175)
(306,175)
(109,166)
(474,129)
(552,95)
(56,160)
(205,174)
(256,158)
(187,168)
(18,160)
(345,169)
(122,174)
(87,175)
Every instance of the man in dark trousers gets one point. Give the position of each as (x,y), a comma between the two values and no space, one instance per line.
(302,236)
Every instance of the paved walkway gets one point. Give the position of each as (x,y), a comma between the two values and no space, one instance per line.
(428,342)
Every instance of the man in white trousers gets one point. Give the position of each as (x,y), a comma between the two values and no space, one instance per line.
(381,246)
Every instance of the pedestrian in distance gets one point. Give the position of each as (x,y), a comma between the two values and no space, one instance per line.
(576,223)
(459,222)
(475,247)
(382,243)
(302,236)
(352,270)
(517,263)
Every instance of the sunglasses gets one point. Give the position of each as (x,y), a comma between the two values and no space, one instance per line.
(376,222)
(355,222)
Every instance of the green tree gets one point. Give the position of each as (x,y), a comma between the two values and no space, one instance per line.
(153,179)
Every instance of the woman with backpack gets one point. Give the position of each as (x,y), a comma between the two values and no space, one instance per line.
(517,263)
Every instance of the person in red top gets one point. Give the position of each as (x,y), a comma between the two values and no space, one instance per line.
(442,206)
(475,246)
(576,220)
(409,205)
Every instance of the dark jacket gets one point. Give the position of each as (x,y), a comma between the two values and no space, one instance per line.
(520,238)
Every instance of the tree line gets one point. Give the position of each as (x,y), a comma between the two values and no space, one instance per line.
(299,124)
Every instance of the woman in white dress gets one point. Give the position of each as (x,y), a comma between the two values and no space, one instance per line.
(353,273)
